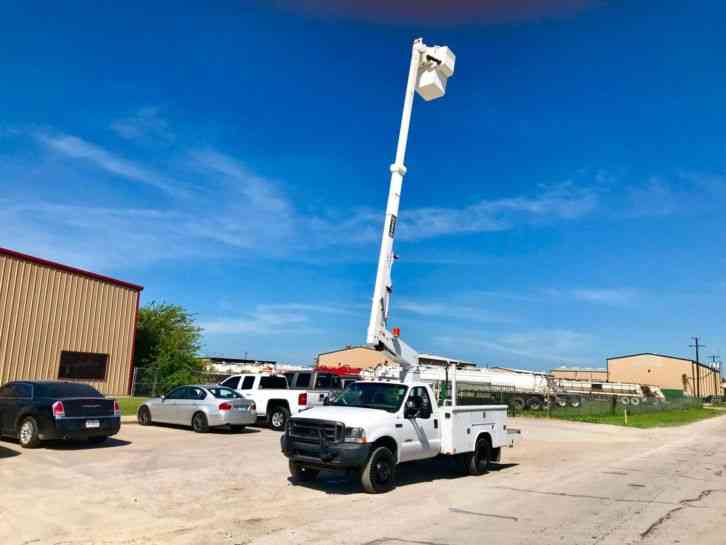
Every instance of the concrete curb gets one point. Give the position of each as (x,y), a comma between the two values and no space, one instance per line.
(129,419)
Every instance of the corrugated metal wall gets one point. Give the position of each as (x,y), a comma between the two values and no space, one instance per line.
(44,311)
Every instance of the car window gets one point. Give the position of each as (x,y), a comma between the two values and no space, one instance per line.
(303,380)
(273,383)
(60,390)
(248,383)
(197,394)
(7,391)
(177,393)
(224,393)
(231,382)
(426,405)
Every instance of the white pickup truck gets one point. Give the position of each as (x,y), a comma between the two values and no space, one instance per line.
(373,426)
(275,402)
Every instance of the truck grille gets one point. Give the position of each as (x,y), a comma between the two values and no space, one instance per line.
(311,431)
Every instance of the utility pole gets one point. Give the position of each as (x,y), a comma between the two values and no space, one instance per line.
(696,344)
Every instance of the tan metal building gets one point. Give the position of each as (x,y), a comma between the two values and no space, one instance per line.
(362,357)
(580,373)
(58,322)
(668,372)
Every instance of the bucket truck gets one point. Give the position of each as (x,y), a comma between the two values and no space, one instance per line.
(374,426)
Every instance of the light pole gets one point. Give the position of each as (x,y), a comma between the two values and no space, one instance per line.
(430,68)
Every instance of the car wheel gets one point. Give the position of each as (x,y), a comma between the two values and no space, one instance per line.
(477,462)
(278,418)
(98,439)
(144,416)
(199,423)
(28,433)
(302,474)
(379,473)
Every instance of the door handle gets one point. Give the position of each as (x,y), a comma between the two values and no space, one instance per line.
(399,425)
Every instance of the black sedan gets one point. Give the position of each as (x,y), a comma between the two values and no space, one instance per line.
(33,411)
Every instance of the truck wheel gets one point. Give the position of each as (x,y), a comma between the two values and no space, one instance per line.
(278,417)
(477,462)
(28,433)
(301,474)
(534,403)
(634,401)
(561,402)
(379,473)
(199,423)
(518,403)
(575,402)
(624,401)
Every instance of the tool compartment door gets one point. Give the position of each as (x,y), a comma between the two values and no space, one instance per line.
(460,426)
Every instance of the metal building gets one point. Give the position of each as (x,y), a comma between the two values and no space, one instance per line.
(681,376)
(59,322)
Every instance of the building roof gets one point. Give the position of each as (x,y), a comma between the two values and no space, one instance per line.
(661,356)
(68,269)
(444,358)
(221,359)
(349,347)
(582,369)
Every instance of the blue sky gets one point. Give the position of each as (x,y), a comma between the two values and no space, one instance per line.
(564,202)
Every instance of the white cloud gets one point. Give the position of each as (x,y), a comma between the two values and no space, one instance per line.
(449,310)
(144,123)
(77,148)
(605,296)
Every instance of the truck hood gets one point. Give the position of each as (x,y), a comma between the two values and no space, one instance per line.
(352,417)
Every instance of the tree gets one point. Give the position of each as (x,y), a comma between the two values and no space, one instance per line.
(167,344)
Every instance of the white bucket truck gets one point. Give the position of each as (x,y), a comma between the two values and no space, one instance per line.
(375,425)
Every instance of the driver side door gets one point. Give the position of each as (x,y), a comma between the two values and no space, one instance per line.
(165,411)
(420,437)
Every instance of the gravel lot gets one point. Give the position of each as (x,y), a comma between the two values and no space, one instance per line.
(566,483)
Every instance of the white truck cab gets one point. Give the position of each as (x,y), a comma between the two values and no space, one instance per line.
(275,402)
(375,425)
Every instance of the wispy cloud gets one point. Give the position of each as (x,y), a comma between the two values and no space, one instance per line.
(272,319)
(145,123)
(606,296)
(451,311)
(77,148)
(543,345)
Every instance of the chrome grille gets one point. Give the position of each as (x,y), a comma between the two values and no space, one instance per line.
(311,431)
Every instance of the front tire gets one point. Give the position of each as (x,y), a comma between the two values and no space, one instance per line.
(278,417)
(28,433)
(144,416)
(301,474)
(477,462)
(199,423)
(379,473)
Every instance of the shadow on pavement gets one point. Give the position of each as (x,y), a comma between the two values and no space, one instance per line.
(7,452)
(332,482)
(79,444)
(212,431)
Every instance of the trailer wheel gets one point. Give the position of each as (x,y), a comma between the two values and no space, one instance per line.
(575,402)
(379,473)
(634,401)
(561,402)
(518,403)
(624,401)
(477,462)
(301,474)
(534,403)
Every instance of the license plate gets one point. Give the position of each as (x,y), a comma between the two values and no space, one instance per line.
(90,424)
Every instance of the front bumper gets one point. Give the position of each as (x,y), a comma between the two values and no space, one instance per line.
(75,428)
(325,455)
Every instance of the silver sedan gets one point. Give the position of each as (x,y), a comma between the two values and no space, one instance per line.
(200,406)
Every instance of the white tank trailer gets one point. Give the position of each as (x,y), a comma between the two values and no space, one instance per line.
(519,388)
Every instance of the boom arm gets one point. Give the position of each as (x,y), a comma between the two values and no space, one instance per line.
(378,334)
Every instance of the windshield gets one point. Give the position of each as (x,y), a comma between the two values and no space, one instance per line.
(220,392)
(372,395)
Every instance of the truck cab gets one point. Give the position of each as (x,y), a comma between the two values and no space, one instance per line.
(373,426)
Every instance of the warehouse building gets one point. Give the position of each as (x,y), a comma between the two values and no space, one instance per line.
(59,322)
(674,375)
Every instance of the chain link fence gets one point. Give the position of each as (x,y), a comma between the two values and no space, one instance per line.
(146,381)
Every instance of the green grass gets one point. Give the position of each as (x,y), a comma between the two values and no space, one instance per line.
(677,417)
(129,405)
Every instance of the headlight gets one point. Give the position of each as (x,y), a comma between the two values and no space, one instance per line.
(355,435)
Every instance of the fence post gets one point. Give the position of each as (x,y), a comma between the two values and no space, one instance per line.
(625,413)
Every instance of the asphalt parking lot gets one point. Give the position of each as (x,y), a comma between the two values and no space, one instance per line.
(566,483)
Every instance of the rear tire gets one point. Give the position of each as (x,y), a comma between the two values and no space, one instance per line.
(575,402)
(635,401)
(28,433)
(534,404)
(518,403)
(561,402)
(379,473)
(278,417)
(199,423)
(477,462)
(301,474)
(144,416)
